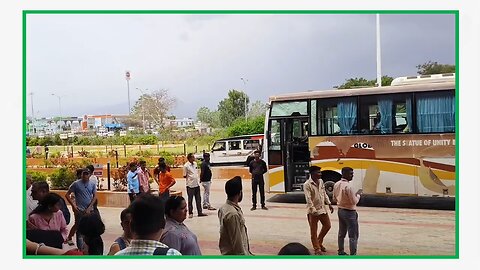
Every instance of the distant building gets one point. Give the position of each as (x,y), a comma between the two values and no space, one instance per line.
(104,121)
(181,123)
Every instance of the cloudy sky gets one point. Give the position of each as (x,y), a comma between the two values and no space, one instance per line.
(198,58)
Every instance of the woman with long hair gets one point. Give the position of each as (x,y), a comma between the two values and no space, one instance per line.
(91,227)
(48,216)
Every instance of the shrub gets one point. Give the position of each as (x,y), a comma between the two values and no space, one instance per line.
(62,178)
(148,139)
(37,176)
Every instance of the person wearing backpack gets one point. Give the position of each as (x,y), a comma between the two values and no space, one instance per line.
(147,224)
(123,241)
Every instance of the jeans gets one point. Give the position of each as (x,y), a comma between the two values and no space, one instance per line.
(348,222)
(206,193)
(257,180)
(194,192)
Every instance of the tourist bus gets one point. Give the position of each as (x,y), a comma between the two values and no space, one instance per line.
(399,139)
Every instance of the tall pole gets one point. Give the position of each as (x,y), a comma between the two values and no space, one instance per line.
(31,101)
(245,97)
(33,114)
(379,54)
(59,104)
(127,77)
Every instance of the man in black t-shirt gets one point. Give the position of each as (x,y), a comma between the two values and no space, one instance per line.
(206,181)
(257,168)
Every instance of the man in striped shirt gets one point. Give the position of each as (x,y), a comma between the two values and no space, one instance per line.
(347,201)
(147,224)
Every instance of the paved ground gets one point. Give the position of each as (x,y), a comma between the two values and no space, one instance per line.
(383,231)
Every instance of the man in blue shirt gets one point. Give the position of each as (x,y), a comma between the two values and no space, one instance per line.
(133,185)
(85,193)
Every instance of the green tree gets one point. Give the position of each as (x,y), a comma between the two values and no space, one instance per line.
(258,108)
(435,68)
(232,107)
(252,126)
(362,82)
(210,117)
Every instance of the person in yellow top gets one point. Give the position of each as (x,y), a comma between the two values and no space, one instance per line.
(318,205)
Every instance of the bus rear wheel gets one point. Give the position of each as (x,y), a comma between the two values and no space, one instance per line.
(329,179)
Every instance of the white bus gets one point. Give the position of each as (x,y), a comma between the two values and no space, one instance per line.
(399,139)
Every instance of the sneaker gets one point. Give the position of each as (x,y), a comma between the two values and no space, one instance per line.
(211,208)
(202,215)
(190,216)
(264,207)
(205,207)
(253,208)
(342,253)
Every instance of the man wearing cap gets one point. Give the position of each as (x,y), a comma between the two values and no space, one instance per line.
(233,232)
(85,192)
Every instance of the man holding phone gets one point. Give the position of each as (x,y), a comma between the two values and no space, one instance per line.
(347,201)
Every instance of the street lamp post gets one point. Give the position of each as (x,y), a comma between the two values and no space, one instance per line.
(127,77)
(33,111)
(59,104)
(245,96)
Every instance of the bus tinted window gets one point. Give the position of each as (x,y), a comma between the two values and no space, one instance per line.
(313,117)
(385,114)
(337,116)
(274,140)
(289,108)
(435,112)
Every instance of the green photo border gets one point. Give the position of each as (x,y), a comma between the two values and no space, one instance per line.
(250,12)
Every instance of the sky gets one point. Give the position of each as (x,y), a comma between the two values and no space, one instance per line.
(82,58)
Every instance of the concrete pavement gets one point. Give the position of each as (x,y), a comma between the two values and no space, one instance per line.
(383,231)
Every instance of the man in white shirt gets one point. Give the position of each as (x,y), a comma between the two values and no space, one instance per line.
(318,206)
(347,214)
(193,188)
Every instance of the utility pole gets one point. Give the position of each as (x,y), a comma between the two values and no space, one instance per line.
(379,54)
(127,77)
(245,96)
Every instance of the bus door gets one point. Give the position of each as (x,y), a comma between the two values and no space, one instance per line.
(297,154)
(288,147)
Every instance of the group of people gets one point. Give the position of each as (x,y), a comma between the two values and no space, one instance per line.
(319,204)
(154,225)
(48,216)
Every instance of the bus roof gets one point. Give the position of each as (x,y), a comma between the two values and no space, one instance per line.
(252,136)
(313,94)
